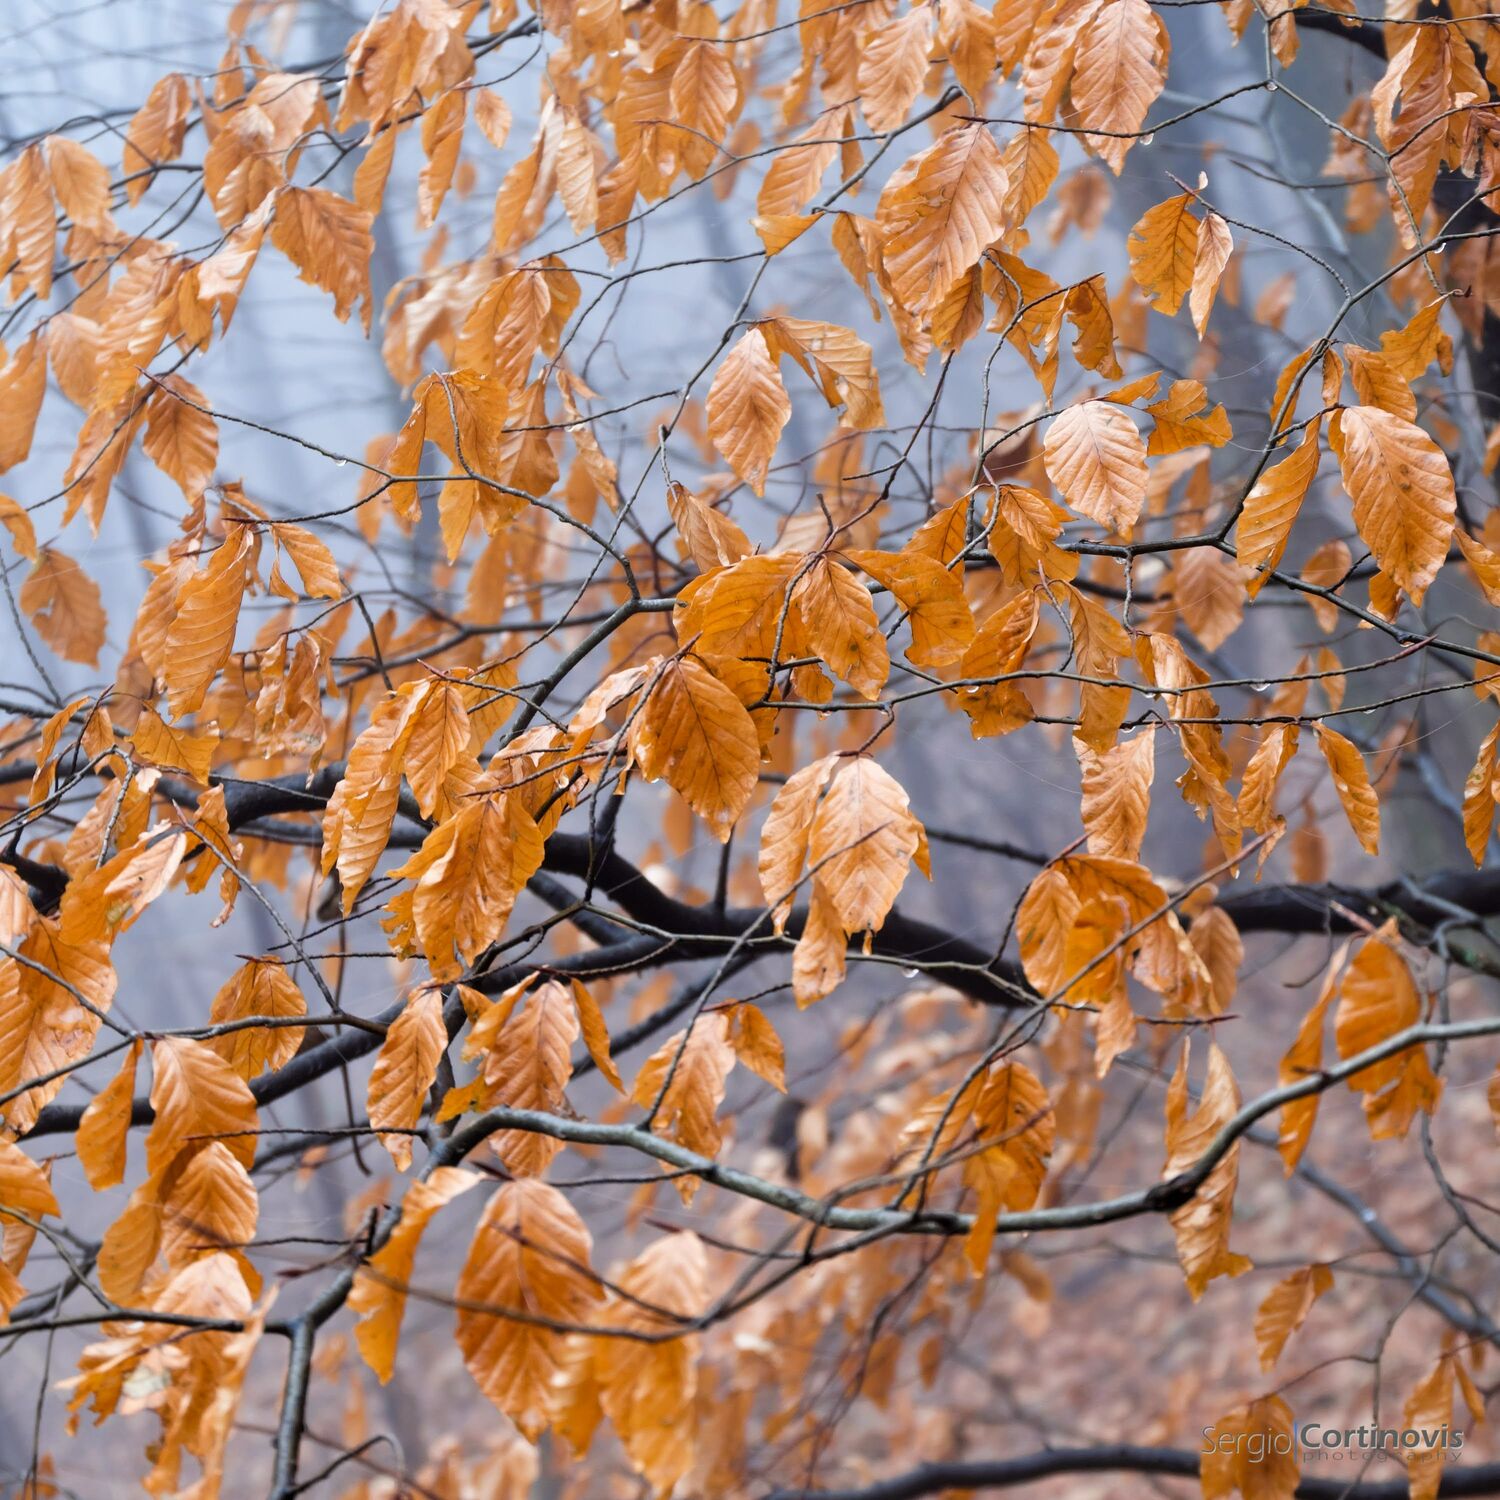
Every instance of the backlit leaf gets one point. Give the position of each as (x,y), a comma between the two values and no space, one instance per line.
(747,408)
(1096,458)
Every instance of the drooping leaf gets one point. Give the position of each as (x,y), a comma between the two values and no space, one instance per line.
(104,1128)
(1096,458)
(1119,70)
(863,839)
(1251,1451)
(1117,795)
(64,605)
(1215,246)
(51,1007)
(182,438)
(527,1267)
(1202,1225)
(23,383)
(1164,252)
(842,626)
(1285,1309)
(1352,780)
(1271,509)
(1013,1123)
(939,212)
(328,239)
(528,1067)
(747,408)
(378,1294)
(942,625)
(1377,999)
(683,1083)
(647,1386)
(404,1070)
(198,1098)
(1402,489)
(204,618)
(261,988)
(695,732)
(757,1045)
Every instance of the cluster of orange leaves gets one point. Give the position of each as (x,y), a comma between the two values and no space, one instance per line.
(755,632)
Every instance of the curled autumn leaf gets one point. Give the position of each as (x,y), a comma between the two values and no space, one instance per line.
(1202,1224)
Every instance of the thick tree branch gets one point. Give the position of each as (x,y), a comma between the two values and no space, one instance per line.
(1124,1458)
(687,932)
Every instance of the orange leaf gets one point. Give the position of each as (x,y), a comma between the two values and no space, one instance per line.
(201,634)
(1117,794)
(1271,508)
(863,839)
(1215,246)
(842,627)
(939,212)
(528,1261)
(1202,1224)
(328,239)
(378,1294)
(156,132)
(262,988)
(942,625)
(1402,488)
(1120,68)
(1164,252)
(1377,999)
(80,182)
(1285,1309)
(1361,805)
(892,65)
(63,602)
(197,1097)
(182,439)
(174,748)
(688,1074)
(1095,456)
(696,733)
(404,1070)
(747,408)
